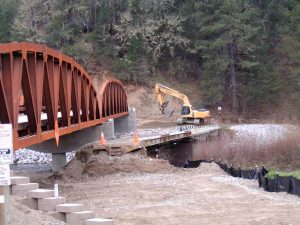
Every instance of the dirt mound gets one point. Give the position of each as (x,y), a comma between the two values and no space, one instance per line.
(21,214)
(210,169)
(143,99)
(86,165)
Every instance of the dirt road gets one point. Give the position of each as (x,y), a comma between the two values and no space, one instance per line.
(184,196)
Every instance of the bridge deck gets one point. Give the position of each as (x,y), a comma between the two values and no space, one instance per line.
(150,138)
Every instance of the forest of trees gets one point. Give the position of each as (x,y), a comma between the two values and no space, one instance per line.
(245,53)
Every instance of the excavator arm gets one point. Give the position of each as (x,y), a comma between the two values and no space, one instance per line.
(161,90)
(161,100)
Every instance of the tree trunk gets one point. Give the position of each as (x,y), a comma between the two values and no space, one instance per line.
(233,80)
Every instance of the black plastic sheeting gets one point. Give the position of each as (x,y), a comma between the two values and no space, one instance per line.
(193,164)
(241,173)
(288,184)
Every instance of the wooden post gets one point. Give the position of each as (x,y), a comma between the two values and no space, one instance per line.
(6,156)
(4,205)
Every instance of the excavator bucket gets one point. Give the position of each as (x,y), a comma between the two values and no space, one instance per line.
(169,114)
(164,111)
(163,107)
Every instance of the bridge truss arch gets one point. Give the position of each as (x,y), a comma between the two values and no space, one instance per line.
(43,92)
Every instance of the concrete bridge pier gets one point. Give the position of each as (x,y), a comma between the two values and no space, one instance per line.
(59,160)
(125,124)
(113,128)
(108,129)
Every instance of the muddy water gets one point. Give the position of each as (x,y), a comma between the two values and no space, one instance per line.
(178,154)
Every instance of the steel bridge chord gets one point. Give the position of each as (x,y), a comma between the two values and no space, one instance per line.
(40,87)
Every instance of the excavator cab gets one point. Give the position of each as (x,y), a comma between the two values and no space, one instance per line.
(185,110)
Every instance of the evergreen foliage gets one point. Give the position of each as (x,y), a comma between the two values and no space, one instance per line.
(8,11)
(291,46)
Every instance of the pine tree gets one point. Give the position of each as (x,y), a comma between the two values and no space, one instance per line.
(8,11)
(227,33)
(291,46)
(32,14)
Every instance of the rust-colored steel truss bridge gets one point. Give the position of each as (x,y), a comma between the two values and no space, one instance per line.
(44,92)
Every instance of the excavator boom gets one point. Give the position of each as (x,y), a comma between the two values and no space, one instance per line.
(161,89)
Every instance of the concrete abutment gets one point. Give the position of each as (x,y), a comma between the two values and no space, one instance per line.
(126,124)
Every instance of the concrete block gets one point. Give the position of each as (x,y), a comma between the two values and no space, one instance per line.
(108,129)
(78,218)
(49,204)
(59,160)
(58,216)
(19,180)
(99,221)
(23,189)
(31,203)
(41,193)
(69,208)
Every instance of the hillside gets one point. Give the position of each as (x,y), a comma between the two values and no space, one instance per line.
(242,55)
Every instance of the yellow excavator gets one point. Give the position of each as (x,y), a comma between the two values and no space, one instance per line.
(188,113)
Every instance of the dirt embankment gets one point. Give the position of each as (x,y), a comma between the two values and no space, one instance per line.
(205,195)
(147,108)
(87,165)
(23,215)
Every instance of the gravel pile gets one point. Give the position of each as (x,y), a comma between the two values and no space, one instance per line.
(263,134)
(23,215)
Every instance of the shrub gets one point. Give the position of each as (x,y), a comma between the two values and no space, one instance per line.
(281,154)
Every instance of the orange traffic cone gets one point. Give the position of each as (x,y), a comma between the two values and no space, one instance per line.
(136,138)
(102,139)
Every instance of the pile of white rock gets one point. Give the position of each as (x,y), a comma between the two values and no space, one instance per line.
(27,156)
(262,134)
